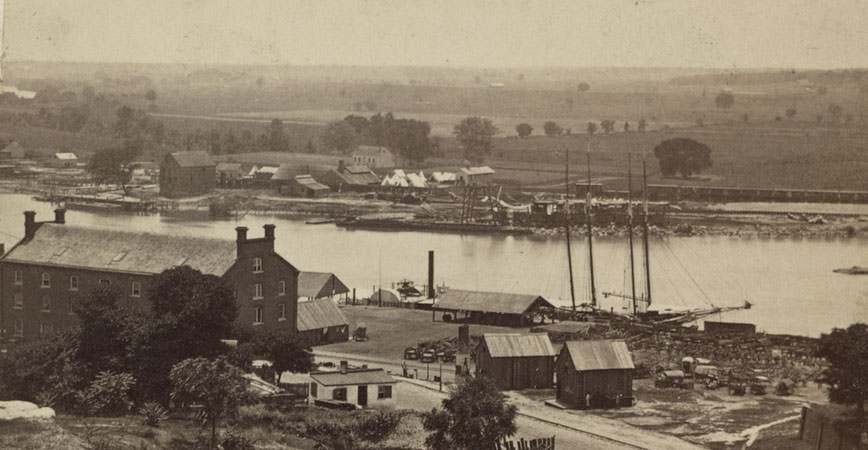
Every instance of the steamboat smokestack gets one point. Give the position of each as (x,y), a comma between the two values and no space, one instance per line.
(431,274)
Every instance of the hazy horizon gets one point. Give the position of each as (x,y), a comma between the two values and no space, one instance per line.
(652,34)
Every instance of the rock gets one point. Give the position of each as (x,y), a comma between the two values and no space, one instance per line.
(16,409)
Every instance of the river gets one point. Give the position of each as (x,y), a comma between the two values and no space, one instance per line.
(789,280)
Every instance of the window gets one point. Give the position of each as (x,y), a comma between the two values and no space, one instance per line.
(18,301)
(46,280)
(19,277)
(384,392)
(257,315)
(313,389)
(339,394)
(281,288)
(136,290)
(18,330)
(45,329)
(46,303)
(257,290)
(282,312)
(73,283)
(257,264)
(105,283)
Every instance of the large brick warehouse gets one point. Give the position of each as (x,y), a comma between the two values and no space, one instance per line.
(46,273)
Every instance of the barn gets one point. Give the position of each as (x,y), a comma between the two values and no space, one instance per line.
(595,374)
(321,322)
(493,308)
(516,361)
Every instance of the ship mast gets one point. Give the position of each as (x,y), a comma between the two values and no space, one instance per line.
(567,224)
(590,233)
(630,229)
(645,234)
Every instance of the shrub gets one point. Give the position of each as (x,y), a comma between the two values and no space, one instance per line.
(154,413)
(234,441)
(46,399)
(377,427)
(108,394)
(259,414)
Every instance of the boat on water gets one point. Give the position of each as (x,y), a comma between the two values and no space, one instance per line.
(854,270)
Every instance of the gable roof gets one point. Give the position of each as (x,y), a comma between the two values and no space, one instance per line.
(497,302)
(283,173)
(192,159)
(371,150)
(308,182)
(319,284)
(356,176)
(122,251)
(228,167)
(319,314)
(510,345)
(353,377)
(599,355)
(65,156)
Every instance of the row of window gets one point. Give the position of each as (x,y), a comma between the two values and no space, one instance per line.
(18,279)
(340,394)
(258,318)
(18,303)
(45,328)
(257,290)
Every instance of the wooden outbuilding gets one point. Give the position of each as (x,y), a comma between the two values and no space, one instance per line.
(493,308)
(321,322)
(594,374)
(516,361)
(316,285)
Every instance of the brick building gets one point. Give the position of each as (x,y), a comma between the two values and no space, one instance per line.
(187,174)
(55,265)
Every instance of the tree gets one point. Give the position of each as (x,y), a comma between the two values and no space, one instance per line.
(836,111)
(626,127)
(592,128)
(552,129)
(583,87)
(284,352)
(409,138)
(683,156)
(475,133)
(847,373)
(339,136)
(151,95)
(474,417)
(791,113)
(103,324)
(214,384)
(608,126)
(112,165)
(277,141)
(524,130)
(724,100)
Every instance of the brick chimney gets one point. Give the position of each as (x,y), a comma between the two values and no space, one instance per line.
(344,366)
(2,249)
(269,231)
(341,166)
(60,215)
(240,239)
(29,224)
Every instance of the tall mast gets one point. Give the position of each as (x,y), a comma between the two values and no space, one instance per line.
(590,235)
(567,224)
(645,233)
(630,229)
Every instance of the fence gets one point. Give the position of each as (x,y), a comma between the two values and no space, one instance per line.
(522,444)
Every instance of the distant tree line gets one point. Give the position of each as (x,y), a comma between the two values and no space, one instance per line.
(410,139)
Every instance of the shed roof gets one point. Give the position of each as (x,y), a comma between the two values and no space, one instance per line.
(599,355)
(192,159)
(353,377)
(512,345)
(496,302)
(122,251)
(319,284)
(319,314)
(357,176)
(308,182)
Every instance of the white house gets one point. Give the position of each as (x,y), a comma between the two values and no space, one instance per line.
(64,160)
(374,157)
(475,175)
(361,387)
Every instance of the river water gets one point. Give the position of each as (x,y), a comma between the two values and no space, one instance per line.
(789,280)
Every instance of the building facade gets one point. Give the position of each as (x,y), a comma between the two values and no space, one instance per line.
(187,174)
(46,274)
(516,361)
(595,374)
(374,157)
(358,387)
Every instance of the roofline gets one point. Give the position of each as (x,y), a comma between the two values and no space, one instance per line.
(66,266)
(354,384)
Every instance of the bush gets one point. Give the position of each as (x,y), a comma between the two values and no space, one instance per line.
(108,394)
(234,441)
(379,426)
(154,413)
(259,414)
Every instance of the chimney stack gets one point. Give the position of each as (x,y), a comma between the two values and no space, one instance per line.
(430,273)
(269,231)
(341,166)
(241,234)
(60,215)
(2,250)
(29,224)
(344,366)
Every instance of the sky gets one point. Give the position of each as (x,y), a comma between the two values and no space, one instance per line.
(457,33)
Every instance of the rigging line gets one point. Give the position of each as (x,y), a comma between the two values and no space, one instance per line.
(728,280)
(672,281)
(689,275)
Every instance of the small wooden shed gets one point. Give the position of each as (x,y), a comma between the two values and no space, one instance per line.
(516,361)
(595,374)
